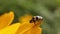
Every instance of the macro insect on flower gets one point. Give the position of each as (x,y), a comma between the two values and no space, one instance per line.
(30,24)
(36,19)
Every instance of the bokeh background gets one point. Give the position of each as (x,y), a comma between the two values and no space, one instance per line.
(49,9)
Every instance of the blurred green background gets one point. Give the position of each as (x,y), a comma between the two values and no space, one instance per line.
(49,9)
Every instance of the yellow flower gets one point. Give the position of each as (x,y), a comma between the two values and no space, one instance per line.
(5,21)
(24,27)
(28,28)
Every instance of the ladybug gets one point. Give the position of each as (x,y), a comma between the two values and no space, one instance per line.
(36,18)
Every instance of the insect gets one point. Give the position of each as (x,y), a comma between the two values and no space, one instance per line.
(36,19)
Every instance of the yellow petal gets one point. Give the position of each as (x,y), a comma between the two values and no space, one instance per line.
(6,19)
(25,18)
(34,30)
(11,29)
(27,27)
(24,27)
